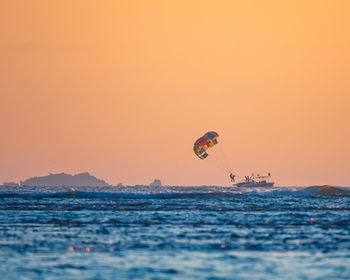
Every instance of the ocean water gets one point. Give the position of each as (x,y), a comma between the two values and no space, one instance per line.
(173,233)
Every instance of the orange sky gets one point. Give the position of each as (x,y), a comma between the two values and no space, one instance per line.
(122,89)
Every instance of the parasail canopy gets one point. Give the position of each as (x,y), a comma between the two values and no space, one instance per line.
(202,144)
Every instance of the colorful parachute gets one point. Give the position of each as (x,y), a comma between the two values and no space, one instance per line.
(203,143)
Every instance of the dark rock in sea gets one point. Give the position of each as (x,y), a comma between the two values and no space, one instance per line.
(63,179)
(156,183)
(10,184)
(328,191)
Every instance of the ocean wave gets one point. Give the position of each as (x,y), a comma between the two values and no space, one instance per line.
(174,193)
(90,195)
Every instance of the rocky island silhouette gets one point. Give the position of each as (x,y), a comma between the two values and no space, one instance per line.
(63,179)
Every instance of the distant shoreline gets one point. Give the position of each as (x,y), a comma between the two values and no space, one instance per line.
(61,179)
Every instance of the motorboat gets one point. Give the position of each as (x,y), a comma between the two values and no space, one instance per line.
(256,181)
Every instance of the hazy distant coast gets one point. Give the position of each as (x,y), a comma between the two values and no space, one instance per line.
(62,179)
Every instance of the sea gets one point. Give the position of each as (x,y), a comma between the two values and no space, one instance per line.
(200,232)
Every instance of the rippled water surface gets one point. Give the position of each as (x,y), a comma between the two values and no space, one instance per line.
(173,233)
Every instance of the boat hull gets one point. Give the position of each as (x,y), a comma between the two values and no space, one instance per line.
(255,185)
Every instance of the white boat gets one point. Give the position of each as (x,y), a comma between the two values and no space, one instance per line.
(256,182)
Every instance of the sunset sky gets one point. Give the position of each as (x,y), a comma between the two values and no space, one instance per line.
(122,89)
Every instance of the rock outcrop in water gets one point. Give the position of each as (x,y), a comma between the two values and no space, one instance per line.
(156,183)
(328,191)
(10,184)
(63,179)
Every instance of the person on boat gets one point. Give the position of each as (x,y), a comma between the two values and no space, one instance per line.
(232,177)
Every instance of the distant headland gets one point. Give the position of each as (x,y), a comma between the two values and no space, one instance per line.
(62,179)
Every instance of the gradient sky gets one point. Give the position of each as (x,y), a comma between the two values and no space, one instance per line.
(122,89)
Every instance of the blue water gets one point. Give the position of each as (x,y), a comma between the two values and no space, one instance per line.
(173,233)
